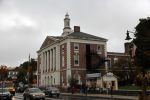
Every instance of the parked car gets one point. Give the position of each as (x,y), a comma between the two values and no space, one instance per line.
(33,93)
(51,91)
(11,90)
(5,94)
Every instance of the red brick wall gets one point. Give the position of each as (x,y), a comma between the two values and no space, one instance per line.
(63,68)
(82,59)
(64,80)
(65,56)
(82,56)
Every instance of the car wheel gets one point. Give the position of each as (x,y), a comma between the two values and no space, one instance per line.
(27,98)
(50,95)
(9,98)
(24,98)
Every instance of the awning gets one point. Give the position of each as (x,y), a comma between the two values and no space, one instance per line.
(93,75)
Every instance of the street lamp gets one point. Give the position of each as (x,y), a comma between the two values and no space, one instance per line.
(128,36)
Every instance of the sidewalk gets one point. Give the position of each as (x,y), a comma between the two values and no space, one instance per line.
(103,96)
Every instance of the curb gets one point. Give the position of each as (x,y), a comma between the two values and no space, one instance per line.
(113,97)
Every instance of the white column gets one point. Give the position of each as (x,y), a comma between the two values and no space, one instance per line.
(105,51)
(48,60)
(43,62)
(52,59)
(55,58)
(68,63)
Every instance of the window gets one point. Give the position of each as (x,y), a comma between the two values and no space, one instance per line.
(62,47)
(62,52)
(76,54)
(99,49)
(76,58)
(54,80)
(109,62)
(76,46)
(115,60)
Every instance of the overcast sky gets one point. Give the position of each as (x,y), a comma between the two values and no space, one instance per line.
(24,24)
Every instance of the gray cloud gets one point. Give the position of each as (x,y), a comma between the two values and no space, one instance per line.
(24,24)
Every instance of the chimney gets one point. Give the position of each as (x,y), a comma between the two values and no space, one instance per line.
(127,47)
(76,28)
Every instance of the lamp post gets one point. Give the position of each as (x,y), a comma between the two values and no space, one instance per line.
(128,36)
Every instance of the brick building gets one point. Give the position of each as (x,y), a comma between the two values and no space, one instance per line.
(114,57)
(63,57)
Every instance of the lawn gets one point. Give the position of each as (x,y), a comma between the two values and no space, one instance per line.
(130,87)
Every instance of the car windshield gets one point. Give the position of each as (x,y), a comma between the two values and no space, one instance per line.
(3,90)
(52,88)
(35,90)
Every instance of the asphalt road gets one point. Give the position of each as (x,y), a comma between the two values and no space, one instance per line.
(19,96)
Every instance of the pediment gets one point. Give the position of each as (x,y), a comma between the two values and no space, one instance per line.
(47,42)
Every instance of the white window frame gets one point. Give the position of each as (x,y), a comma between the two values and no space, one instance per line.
(62,57)
(115,60)
(76,54)
(99,49)
(76,46)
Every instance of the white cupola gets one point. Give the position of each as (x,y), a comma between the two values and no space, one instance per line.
(67,29)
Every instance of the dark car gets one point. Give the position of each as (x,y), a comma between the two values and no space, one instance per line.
(5,94)
(52,91)
(33,93)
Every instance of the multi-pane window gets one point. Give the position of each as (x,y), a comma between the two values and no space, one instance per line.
(62,47)
(63,57)
(76,54)
(109,62)
(99,49)
(76,58)
(115,60)
(76,46)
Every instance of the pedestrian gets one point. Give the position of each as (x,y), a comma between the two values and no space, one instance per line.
(86,89)
(72,89)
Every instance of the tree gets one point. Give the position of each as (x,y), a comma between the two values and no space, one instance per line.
(21,76)
(142,55)
(73,82)
(124,70)
(142,42)
(28,68)
(94,61)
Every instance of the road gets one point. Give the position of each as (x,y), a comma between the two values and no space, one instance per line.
(19,96)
